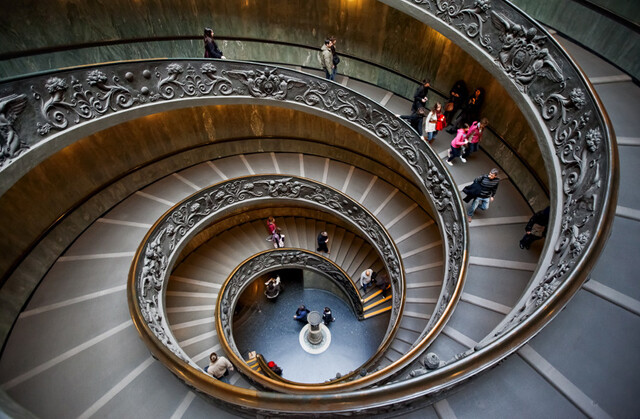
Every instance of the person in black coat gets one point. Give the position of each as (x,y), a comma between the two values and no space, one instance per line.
(301,314)
(416,119)
(470,111)
(323,239)
(457,97)
(211,49)
(420,96)
(536,228)
(327,316)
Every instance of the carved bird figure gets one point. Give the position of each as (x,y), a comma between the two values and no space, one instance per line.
(10,108)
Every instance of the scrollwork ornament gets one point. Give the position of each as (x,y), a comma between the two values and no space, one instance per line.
(469,18)
(523,56)
(267,83)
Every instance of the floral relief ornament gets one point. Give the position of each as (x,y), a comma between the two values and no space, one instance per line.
(266,83)
(523,56)
(450,11)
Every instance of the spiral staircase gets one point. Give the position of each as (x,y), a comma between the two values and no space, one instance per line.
(74,350)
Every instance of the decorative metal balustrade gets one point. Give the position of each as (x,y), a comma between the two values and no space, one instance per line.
(163,243)
(271,260)
(43,113)
(165,240)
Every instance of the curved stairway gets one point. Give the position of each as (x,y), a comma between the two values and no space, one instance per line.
(107,246)
(100,368)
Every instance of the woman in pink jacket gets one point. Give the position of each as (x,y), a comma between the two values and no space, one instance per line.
(474,136)
(457,144)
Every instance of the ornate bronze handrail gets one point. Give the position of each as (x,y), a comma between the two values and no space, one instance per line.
(274,259)
(170,233)
(576,140)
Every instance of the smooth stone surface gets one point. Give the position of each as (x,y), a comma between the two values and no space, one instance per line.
(621,249)
(505,392)
(271,331)
(574,344)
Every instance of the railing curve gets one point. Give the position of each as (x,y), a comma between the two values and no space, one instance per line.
(575,136)
(80,101)
(267,261)
(164,241)
(574,132)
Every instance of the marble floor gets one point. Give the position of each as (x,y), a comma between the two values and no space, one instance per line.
(267,327)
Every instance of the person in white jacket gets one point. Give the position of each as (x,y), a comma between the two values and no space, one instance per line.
(365,279)
(433,123)
(219,366)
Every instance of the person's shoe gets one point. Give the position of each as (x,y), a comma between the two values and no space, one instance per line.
(449,163)
(451,131)
(521,246)
(463,160)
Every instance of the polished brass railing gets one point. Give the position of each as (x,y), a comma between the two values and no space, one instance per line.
(574,133)
(165,240)
(245,273)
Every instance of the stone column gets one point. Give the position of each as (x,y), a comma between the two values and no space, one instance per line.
(315,334)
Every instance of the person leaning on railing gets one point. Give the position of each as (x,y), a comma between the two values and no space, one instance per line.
(211,49)
(536,228)
(219,366)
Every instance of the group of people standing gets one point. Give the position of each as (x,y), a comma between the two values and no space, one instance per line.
(465,110)
(302,312)
(466,141)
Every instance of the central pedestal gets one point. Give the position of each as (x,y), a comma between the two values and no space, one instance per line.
(315,337)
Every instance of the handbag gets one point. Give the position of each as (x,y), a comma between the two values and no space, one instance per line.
(448,107)
(336,59)
(537,230)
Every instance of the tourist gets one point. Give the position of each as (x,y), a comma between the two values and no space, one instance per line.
(365,279)
(416,119)
(457,97)
(488,188)
(434,122)
(301,314)
(275,368)
(219,366)
(273,287)
(323,239)
(536,228)
(275,234)
(327,316)
(470,110)
(383,283)
(457,145)
(277,238)
(211,49)
(420,96)
(474,135)
(326,58)
(334,57)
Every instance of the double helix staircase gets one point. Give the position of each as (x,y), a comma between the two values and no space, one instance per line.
(99,367)
(91,273)
(195,282)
